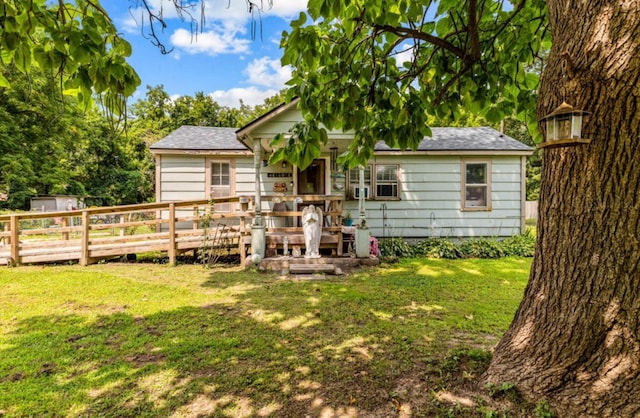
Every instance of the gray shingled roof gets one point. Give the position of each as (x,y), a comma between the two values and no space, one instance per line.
(442,139)
(201,138)
(465,139)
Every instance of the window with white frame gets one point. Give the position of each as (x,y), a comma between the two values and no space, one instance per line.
(381,182)
(476,185)
(220,182)
(386,181)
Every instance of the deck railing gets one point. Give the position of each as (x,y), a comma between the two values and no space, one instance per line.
(92,234)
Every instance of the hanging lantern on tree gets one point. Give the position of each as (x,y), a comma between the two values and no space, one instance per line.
(563,127)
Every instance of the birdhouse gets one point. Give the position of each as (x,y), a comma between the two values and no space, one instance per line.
(563,127)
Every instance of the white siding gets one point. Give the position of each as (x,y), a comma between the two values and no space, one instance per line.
(284,121)
(245,177)
(182,177)
(430,200)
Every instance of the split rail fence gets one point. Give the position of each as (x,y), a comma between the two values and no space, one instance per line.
(93,234)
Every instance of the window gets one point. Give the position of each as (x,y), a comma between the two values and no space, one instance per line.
(220,182)
(384,185)
(476,185)
(386,181)
(354,183)
(220,174)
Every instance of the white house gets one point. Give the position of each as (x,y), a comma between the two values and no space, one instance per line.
(460,182)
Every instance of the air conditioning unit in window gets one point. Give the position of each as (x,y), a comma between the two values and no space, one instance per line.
(356,192)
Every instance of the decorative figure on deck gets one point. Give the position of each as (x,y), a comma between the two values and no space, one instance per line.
(312,228)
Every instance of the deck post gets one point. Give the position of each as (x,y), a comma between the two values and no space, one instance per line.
(258,233)
(14,241)
(171,251)
(84,242)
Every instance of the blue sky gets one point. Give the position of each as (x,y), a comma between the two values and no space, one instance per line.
(222,61)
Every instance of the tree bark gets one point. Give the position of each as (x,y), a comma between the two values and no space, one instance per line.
(575,337)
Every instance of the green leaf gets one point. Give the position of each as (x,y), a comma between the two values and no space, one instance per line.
(4,82)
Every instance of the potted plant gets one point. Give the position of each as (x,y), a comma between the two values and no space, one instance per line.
(348,220)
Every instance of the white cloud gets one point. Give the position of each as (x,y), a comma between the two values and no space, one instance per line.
(224,30)
(216,12)
(211,42)
(251,96)
(287,9)
(239,10)
(268,72)
(137,18)
(267,78)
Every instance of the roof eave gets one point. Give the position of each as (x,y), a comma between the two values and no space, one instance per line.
(181,151)
(456,152)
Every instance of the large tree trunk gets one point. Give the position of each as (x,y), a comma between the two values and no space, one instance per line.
(575,338)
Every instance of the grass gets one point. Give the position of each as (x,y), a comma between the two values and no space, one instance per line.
(119,340)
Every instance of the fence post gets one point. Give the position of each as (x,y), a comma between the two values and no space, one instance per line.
(196,217)
(172,234)
(64,223)
(84,242)
(5,227)
(14,225)
(122,228)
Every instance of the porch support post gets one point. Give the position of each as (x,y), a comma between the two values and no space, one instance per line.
(362,231)
(258,227)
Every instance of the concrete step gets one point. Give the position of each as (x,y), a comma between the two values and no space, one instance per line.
(314,268)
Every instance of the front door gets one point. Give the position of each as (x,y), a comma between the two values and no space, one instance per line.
(311,179)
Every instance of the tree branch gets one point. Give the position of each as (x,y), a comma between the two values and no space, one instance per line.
(417,34)
(472,30)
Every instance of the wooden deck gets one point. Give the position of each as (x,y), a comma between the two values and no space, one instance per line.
(94,234)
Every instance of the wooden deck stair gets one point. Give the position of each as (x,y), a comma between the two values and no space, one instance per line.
(314,268)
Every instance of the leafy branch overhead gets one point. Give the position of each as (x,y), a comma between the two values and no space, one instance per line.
(381,68)
(74,42)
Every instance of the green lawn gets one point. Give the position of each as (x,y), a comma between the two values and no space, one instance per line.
(120,340)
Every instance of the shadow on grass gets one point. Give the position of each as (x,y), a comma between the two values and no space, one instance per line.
(367,345)
(191,362)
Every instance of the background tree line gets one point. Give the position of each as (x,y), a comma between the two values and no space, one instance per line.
(52,145)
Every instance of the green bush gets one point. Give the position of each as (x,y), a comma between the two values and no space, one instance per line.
(520,245)
(482,248)
(437,248)
(516,246)
(395,247)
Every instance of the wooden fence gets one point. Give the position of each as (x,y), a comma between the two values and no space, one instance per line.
(93,234)
(531,210)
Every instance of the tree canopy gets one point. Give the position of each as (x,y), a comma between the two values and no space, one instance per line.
(73,42)
(381,68)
